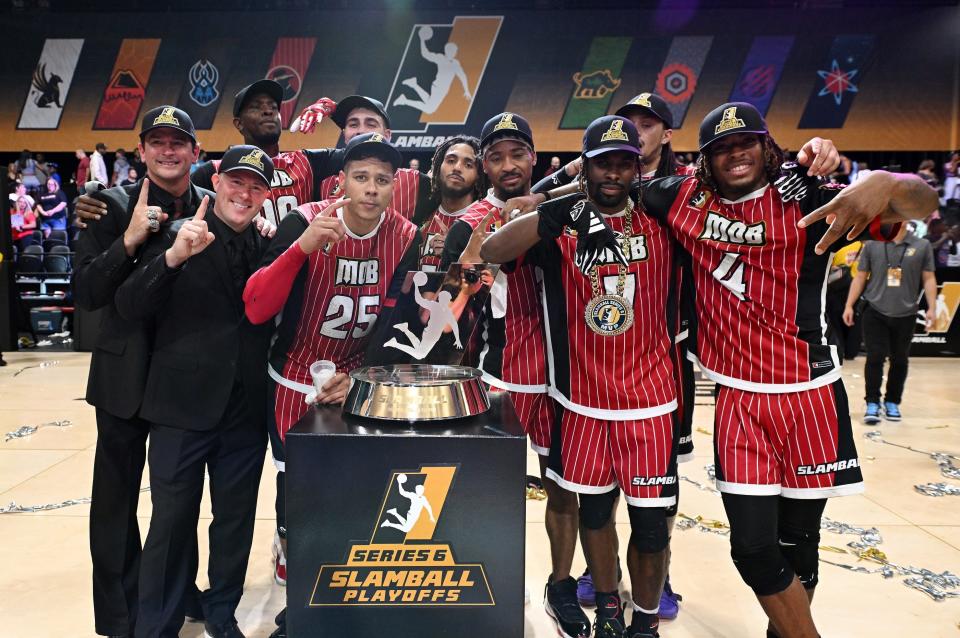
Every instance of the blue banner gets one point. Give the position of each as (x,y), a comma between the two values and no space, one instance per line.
(838,82)
(761,71)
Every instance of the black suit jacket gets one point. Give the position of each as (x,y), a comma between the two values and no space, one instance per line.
(118,368)
(203,341)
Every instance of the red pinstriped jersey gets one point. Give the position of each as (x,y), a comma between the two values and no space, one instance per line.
(406,189)
(512,355)
(438,224)
(759,286)
(618,377)
(337,296)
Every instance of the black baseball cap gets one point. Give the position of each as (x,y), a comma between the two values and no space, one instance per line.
(271,88)
(347,104)
(248,158)
(506,126)
(730,118)
(375,145)
(167,117)
(652,104)
(610,133)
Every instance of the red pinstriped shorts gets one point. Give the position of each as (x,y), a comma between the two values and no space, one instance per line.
(796,444)
(537,414)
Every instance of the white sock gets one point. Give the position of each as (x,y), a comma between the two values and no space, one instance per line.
(653,612)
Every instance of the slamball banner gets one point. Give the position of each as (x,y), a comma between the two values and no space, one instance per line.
(127,87)
(761,71)
(204,81)
(838,82)
(50,84)
(677,81)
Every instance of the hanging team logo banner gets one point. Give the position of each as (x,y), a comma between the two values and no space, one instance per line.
(127,87)
(677,80)
(761,71)
(288,67)
(50,84)
(402,564)
(596,82)
(440,73)
(202,88)
(838,82)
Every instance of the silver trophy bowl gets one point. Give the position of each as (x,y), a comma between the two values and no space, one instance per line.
(416,392)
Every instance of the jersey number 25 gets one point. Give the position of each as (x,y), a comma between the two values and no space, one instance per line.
(343,310)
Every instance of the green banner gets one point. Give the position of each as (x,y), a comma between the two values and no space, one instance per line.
(596,82)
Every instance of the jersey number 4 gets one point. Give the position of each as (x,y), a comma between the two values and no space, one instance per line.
(343,310)
(729,272)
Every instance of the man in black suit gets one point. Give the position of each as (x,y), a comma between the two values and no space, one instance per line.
(205,397)
(107,252)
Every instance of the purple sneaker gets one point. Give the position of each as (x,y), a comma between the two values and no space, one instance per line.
(669,603)
(586,595)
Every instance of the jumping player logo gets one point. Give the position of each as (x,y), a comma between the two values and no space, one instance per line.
(728,121)
(642,100)
(948,299)
(440,73)
(403,565)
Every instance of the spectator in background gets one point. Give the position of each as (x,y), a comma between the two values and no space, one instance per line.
(842,271)
(53,208)
(897,272)
(131,177)
(554,166)
(842,174)
(98,168)
(415,164)
(945,247)
(28,172)
(120,166)
(21,191)
(951,178)
(927,174)
(83,169)
(23,221)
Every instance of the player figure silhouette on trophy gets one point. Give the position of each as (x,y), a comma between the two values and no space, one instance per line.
(418,502)
(440,315)
(448,67)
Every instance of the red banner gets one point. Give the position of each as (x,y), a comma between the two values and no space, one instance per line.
(288,66)
(124,94)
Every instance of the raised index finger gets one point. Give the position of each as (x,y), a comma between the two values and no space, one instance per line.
(202,210)
(144,192)
(334,206)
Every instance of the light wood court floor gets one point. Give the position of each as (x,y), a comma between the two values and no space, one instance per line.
(45,582)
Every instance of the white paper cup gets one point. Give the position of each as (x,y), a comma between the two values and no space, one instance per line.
(322,371)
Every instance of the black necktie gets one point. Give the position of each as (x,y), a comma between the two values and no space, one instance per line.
(239,260)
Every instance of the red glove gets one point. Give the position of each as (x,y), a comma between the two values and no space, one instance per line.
(308,119)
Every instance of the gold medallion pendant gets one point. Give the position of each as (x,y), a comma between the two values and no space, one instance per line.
(608,315)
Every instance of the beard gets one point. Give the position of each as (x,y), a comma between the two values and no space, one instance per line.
(450,192)
(607,201)
(263,140)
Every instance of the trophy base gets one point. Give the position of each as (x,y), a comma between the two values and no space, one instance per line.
(416,392)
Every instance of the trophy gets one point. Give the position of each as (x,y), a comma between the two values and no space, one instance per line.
(421,353)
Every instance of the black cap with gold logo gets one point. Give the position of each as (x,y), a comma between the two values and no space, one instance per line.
(167,117)
(648,103)
(610,133)
(506,126)
(248,158)
(728,119)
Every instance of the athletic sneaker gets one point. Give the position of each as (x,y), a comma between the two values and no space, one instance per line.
(560,602)
(891,411)
(604,627)
(634,632)
(228,629)
(669,603)
(279,561)
(586,594)
(872,415)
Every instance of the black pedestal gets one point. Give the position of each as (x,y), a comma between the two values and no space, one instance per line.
(460,574)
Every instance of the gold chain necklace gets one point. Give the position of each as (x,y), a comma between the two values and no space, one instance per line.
(611,315)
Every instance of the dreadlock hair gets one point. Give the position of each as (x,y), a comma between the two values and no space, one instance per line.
(667,165)
(479,187)
(772,159)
